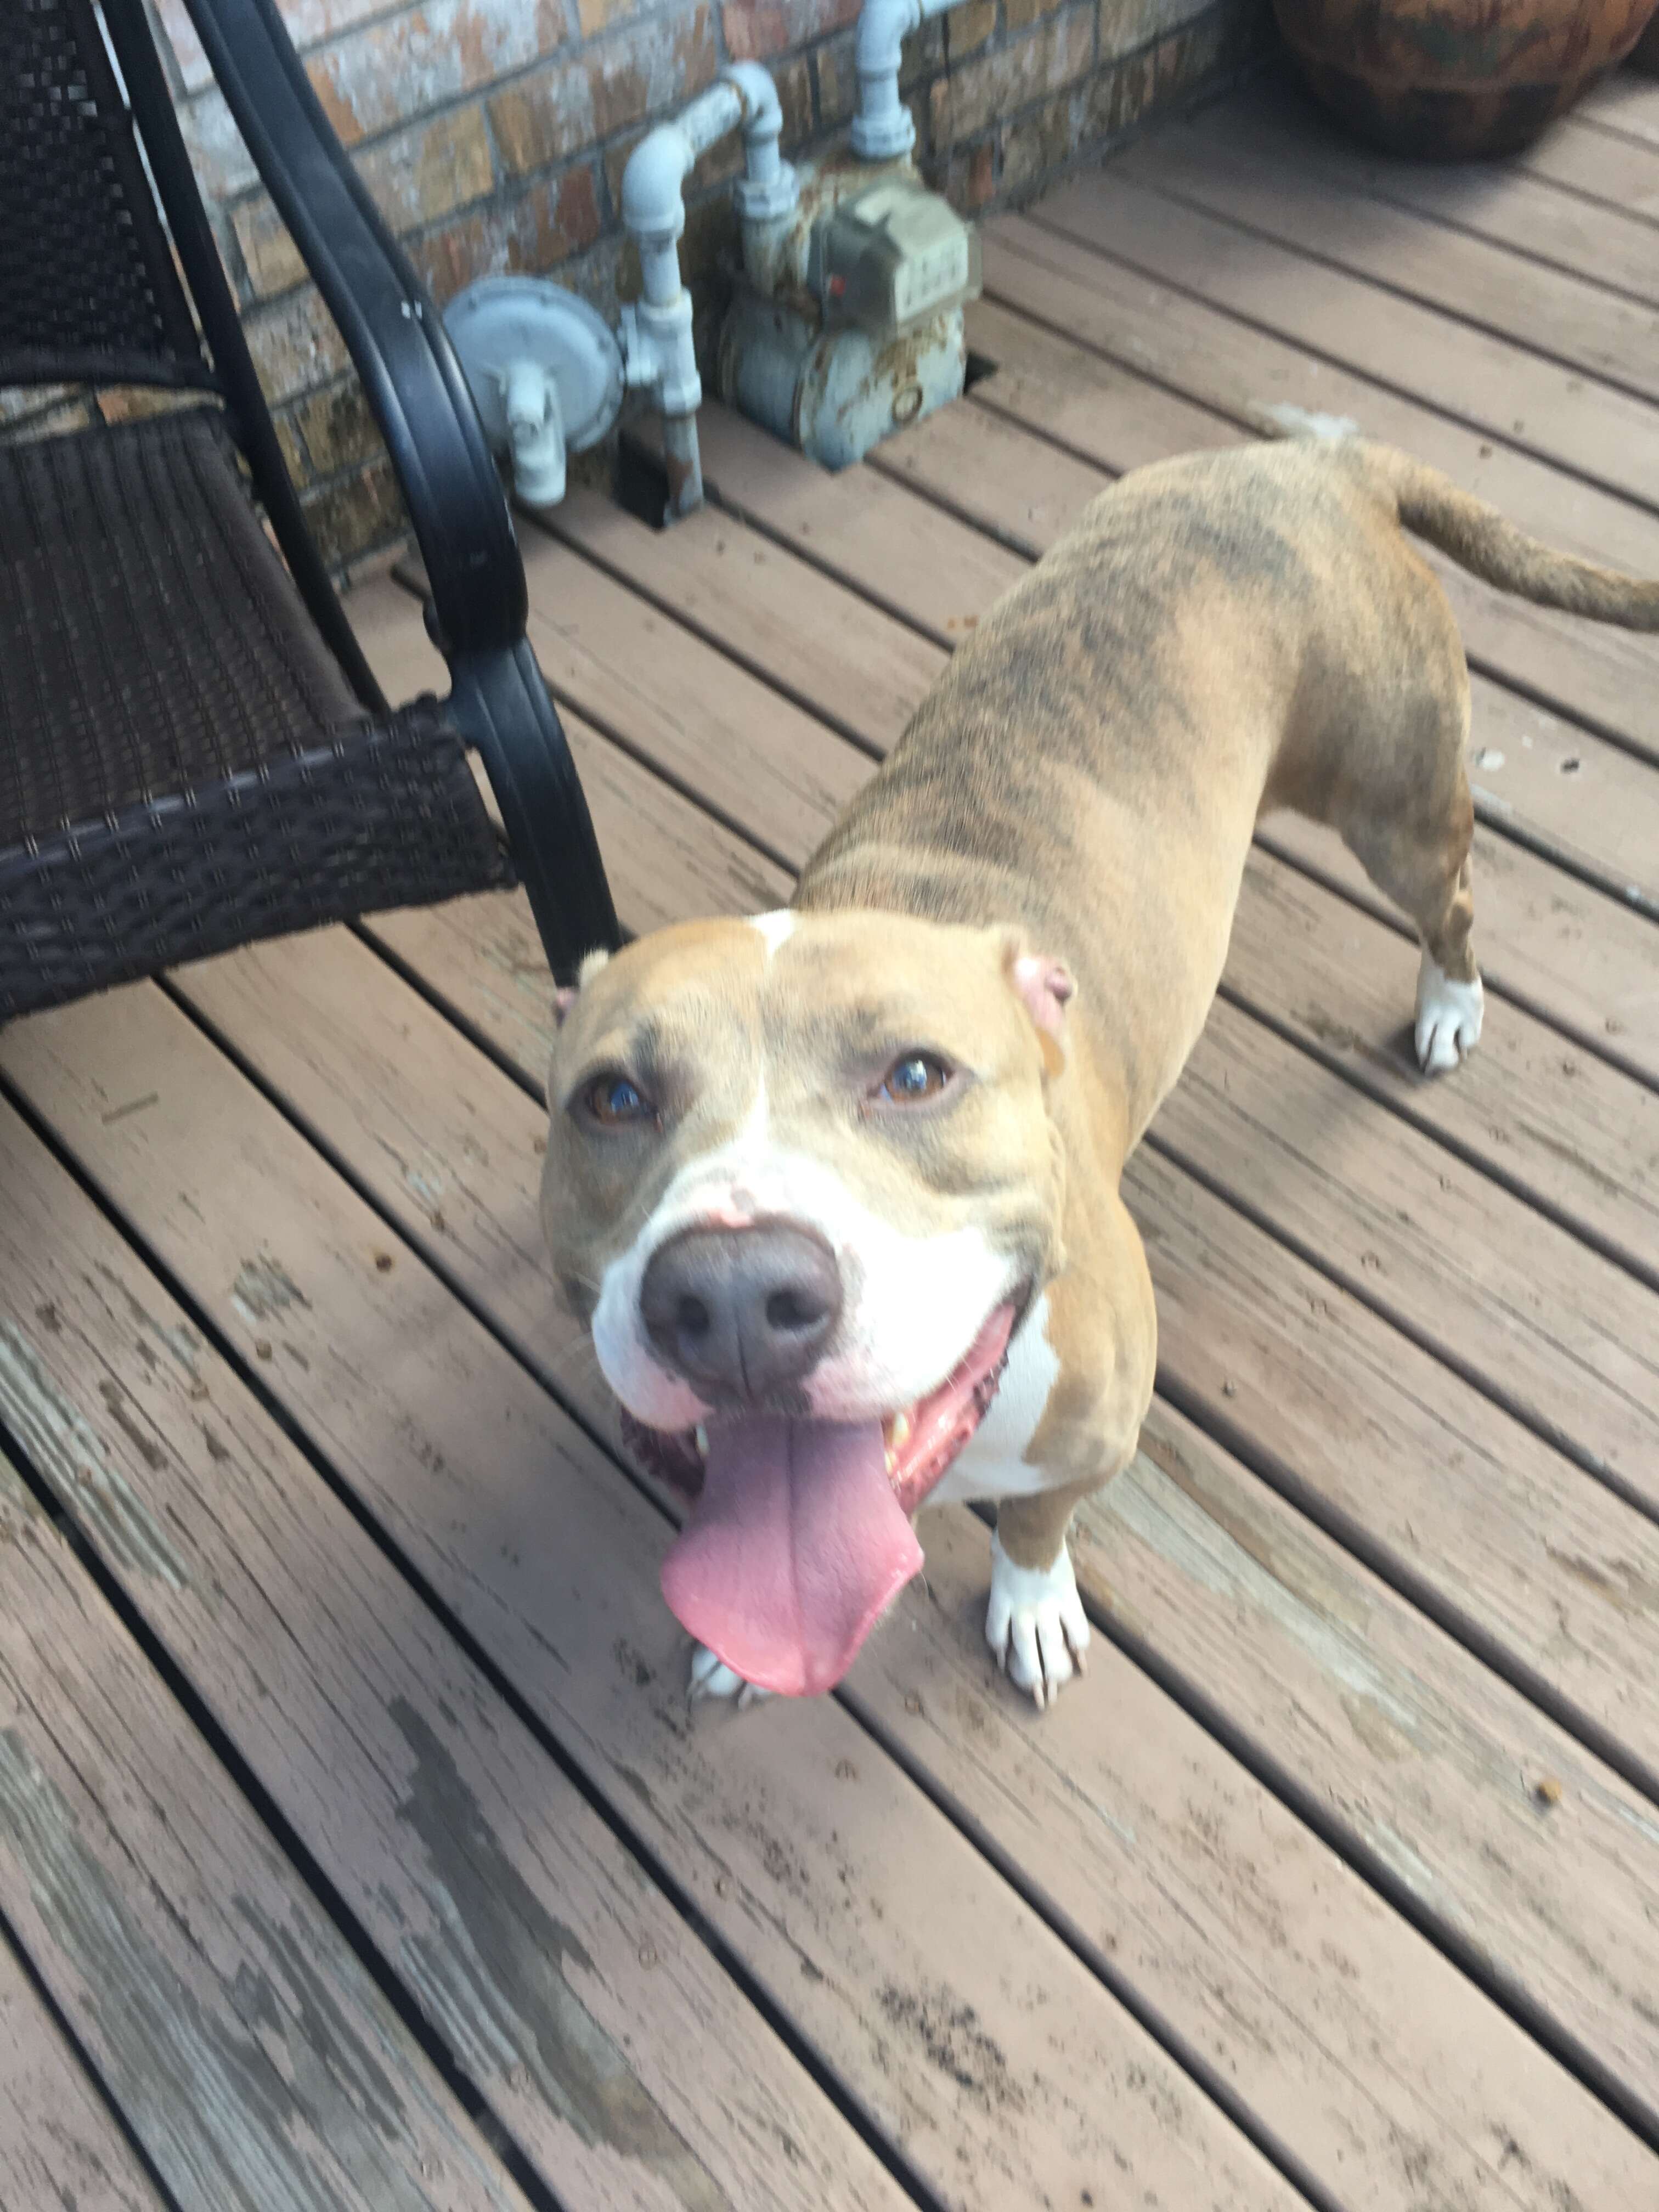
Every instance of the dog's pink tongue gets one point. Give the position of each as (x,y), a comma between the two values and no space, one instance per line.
(794,1549)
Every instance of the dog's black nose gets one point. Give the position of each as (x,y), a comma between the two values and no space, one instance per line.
(741,1313)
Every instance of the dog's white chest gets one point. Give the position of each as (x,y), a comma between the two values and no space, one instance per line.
(992,1463)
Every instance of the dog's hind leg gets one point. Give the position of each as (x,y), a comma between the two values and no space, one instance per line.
(1412,839)
(1426,872)
(1450,1002)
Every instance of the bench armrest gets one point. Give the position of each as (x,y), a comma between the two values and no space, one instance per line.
(413,382)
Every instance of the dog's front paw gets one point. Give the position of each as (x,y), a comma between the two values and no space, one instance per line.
(1448,1017)
(1036,1624)
(712,1678)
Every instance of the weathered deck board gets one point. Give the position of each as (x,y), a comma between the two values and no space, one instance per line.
(821,1865)
(1536,222)
(1266,168)
(1561,1128)
(1627,102)
(1222,361)
(1603,165)
(1594,435)
(58,2146)
(249,2051)
(303,1022)
(517,1920)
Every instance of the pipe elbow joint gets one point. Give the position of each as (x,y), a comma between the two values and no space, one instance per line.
(768,190)
(762,112)
(652,204)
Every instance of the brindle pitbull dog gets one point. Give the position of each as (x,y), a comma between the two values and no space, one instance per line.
(837,1188)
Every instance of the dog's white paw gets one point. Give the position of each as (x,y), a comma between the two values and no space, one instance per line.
(1448,1017)
(1036,1624)
(712,1678)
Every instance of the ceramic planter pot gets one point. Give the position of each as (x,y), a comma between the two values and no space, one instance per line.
(1449,79)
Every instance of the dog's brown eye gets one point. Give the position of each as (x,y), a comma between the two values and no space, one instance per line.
(616,1103)
(914,1078)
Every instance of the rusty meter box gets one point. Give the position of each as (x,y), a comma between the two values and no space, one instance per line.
(892,257)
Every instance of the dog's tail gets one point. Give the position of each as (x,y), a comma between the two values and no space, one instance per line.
(1479,539)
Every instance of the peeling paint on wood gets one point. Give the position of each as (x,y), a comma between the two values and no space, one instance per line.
(519,1982)
(241,2040)
(522,1525)
(70,1454)
(60,2151)
(518,1924)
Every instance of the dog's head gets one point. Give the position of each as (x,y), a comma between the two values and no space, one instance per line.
(802,1181)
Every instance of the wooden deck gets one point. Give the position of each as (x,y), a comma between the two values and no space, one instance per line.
(357,1846)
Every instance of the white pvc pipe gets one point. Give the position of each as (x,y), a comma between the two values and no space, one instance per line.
(658,352)
(653,204)
(882,129)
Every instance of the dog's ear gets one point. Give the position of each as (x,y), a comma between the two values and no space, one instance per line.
(1044,987)
(567,994)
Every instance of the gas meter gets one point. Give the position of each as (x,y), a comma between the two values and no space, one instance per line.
(846,323)
(892,257)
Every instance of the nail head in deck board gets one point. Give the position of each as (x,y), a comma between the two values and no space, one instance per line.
(1220,363)
(505,1903)
(315,1041)
(60,2151)
(1269,165)
(241,2039)
(550,1559)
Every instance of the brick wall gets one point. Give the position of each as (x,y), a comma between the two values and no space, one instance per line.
(493,134)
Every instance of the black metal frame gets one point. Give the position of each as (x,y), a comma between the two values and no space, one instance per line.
(417,393)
